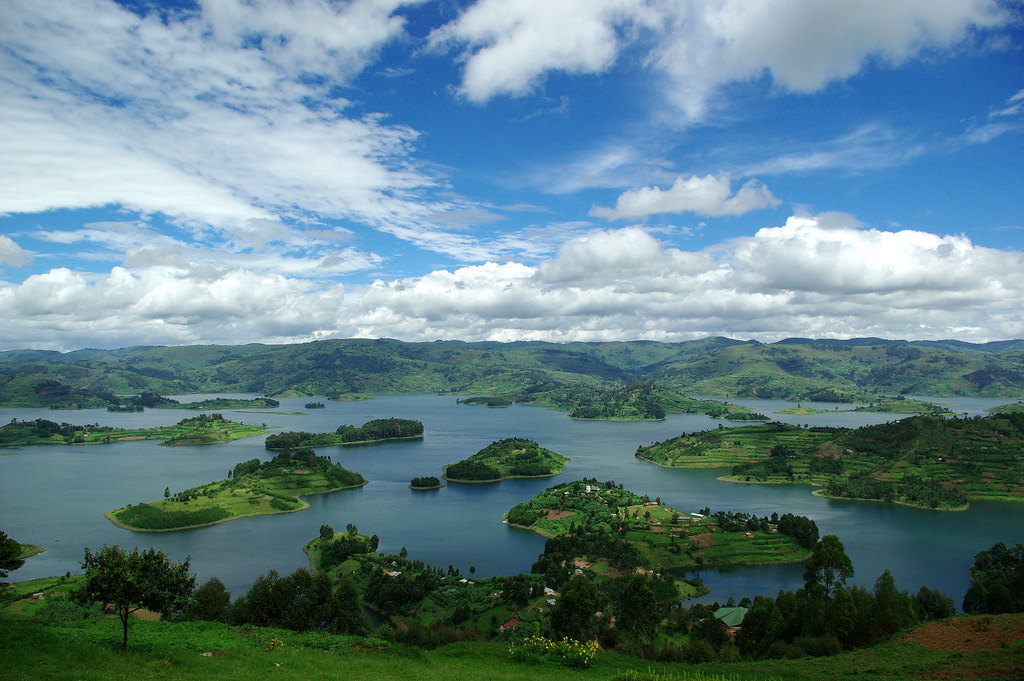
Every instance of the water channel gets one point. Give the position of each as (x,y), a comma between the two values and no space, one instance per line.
(55,496)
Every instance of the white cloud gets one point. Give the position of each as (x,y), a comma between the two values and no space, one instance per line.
(708,196)
(11,253)
(207,118)
(165,304)
(512,44)
(803,45)
(824,276)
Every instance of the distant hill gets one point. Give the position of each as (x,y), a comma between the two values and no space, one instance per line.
(528,372)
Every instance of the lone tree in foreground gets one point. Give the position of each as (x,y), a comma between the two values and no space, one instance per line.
(131,581)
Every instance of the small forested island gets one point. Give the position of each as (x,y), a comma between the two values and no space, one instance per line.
(315,405)
(486,401)
(512,457)
(602,527)
(923,461)
(197,430)
(252,488)
(377,430)
(429,482)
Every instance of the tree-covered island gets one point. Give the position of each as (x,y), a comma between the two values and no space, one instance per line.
(607,530)
(377,430)
(197,430)
(426,482)
(512,457)
(252,488)
(923,461)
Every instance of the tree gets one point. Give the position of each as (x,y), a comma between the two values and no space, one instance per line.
(209,602)
(573,615)
(132,581)
(326,532)
(827,569)
(893,608)
(638,610)
(997,581)
(10,554)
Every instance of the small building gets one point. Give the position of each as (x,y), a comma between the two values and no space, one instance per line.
(732,618)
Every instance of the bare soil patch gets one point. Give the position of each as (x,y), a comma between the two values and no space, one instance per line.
(701,540)
(554,514)
(964,634)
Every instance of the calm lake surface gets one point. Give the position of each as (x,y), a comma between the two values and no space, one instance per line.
(55,496)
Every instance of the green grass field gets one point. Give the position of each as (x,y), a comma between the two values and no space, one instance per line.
(161,651)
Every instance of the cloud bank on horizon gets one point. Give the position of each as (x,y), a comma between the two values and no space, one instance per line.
(232,171)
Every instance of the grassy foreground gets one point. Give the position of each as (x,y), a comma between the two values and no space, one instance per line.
(205,650)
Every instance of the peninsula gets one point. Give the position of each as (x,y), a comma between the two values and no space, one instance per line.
(600,526)
(197,430)
(923,461)
(252,488)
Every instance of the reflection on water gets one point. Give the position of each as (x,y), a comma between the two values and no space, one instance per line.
(55,496)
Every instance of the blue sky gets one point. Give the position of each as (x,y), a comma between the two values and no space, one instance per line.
(233,171)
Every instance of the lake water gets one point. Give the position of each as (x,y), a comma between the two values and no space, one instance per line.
(55,496)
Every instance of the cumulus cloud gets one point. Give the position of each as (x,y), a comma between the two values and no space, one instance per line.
(802,45)
(165,304)
(824,276)
(708,196)
(511,45)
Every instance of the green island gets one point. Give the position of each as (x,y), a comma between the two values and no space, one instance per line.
(486,401)
(197,430)
(377,430)
(252,488)
(428,482)
(923,461)
(609,531)
(512,457)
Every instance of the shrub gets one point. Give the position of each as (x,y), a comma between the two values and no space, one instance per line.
(572,654)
